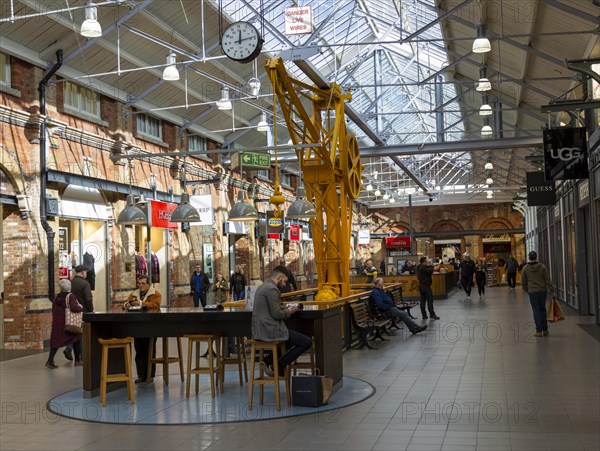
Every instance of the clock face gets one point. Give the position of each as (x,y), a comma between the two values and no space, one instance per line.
(241,42)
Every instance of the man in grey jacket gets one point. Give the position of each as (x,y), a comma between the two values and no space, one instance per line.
(268,317)
(535,280)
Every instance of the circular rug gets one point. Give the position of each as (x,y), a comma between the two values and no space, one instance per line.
(158,403)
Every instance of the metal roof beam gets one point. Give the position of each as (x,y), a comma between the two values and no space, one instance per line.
(570,10)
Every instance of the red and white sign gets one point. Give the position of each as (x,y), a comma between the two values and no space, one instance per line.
(295,231)
(274,236)
(397,241)
(298,20)
(161,214)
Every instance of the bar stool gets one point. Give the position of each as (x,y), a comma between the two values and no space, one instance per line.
(303,364)
(275,347)
(212,370)
(240,359)
(105,378)
(165,360)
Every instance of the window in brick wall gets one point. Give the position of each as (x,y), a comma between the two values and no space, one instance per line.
(149,126)
(196,143)
(263,173)
(286,179)
(4,70)
(81,100)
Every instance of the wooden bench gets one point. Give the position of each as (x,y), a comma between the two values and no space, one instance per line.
(365,325)
(396,293)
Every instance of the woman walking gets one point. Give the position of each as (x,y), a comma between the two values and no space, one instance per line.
(480,278)
(220,289)
(58,336)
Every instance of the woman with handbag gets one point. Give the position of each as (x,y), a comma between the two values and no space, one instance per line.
(59,337)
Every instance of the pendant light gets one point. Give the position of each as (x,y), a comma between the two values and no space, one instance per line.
(481,44)
(170,73)
(263,125)
(224,103)
(301,208)
(489,166)
(184,211)
(242,210)
(90,28)
(483,84)
(131,214)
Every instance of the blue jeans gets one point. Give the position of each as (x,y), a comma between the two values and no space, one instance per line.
(538,305)
(239,296)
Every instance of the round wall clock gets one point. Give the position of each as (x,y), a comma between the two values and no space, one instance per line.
(241,42)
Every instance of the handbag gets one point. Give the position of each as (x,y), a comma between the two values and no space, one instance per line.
(555,311)
(73,320)
(311,391)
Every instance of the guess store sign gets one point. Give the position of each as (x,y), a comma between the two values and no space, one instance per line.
(161,214)
(397,241)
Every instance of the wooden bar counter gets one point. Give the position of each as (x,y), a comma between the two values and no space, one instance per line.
(323,324)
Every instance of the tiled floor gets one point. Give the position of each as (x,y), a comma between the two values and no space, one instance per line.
(476,380)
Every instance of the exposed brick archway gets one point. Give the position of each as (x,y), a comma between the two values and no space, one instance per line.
(496,224)
(446,225)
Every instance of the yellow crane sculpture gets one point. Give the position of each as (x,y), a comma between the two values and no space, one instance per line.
(331,167)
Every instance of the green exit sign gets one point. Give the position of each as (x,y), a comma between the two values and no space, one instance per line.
(257,160)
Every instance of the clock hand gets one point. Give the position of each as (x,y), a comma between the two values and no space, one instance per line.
(240,37)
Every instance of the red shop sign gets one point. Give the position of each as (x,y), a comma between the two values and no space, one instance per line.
(295,232)
(161,213)
(397,241)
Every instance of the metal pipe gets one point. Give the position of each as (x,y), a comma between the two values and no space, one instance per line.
(44,171)
(410,224)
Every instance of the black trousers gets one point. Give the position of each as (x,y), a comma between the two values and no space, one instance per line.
(76,348)
(511,278)
(426,296)
(142,348)
(199,298)
(467,284)
(296,345)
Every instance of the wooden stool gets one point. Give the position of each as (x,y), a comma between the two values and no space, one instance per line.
(275,347)
(240,359)
(212,370)
(165,360)
(105,378)
(304,365)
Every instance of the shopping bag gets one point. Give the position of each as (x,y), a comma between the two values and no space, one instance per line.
(555,311)
(311,391)
(73,320)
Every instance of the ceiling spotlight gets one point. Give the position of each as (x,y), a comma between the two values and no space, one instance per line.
(224,103)
(489,166)
(262,126)
(481,44)
(90,28)
(170,73)
(489,181)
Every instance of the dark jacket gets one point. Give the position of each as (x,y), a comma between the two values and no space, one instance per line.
(424,275)
(512,265)
(204,282)
(467,269)
(291,282)
(80,287)
(58,336)
(480,274)
(383,301)
(237,283)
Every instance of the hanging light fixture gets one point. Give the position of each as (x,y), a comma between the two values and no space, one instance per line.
(489,166)
(301,208)
(386,196)
(262,126)
(392,200)
(483,85)
(90,28)
(242,210)
(369,187)
(131,214)
(224,103)
(481,44)
(486,131)
(170,73)
(489,181)
(254,87)
(377,192)
(184,211)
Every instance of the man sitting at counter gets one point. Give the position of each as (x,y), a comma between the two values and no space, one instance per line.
(386,306)
(148,298)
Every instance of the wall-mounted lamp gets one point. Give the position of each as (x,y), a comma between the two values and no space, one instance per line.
(90,28)
(224,103)
(170,73)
